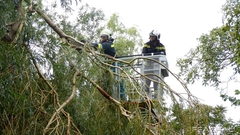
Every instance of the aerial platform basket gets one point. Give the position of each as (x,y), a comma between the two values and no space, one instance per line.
(135,82)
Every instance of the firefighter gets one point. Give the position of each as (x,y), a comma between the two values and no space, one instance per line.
(154,45)
(157,48)
(106,46)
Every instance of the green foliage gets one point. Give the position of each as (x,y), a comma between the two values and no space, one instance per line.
(17,85)
(66,4)
(229,127)
(231,15)
(209,59)
(8,13)
(88,23)
(37,79)
(127,39)
(233,100)
(202,119)
(217,52)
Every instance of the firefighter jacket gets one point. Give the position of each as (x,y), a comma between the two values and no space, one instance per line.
(107,47)
(149,47)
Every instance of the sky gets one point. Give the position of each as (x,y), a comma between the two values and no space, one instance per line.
(180,23)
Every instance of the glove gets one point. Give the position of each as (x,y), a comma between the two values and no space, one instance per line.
(83,41)
(94,45)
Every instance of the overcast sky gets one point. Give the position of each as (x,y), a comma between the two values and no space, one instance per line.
(180,23)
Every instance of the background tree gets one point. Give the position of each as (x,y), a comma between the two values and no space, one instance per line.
(27,44)
(218,52)
(127,40)
(31,108)
(210,120)
(51,85)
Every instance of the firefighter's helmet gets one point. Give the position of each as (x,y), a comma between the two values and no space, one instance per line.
(106,32)
(155,33)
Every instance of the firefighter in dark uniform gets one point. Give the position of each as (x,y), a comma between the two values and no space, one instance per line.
(107,47)
(106,44)
(154,45)
(157,48)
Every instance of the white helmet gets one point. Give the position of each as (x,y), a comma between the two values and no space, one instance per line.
(106,32)
(155,33)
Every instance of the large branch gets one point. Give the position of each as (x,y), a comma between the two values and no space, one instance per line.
(65,38)
(52,25)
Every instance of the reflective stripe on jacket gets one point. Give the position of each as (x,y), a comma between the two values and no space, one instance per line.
(107,47)
(150,48)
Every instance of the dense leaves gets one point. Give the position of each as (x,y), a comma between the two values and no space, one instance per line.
(47,87)
(217,51)
(215,60)
(37,76)
(127,40)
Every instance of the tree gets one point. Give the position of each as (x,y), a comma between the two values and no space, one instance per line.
(34,102)
(217,52)
(51,83)
(128,39)
(201,119)
(29,97)
(230,127)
